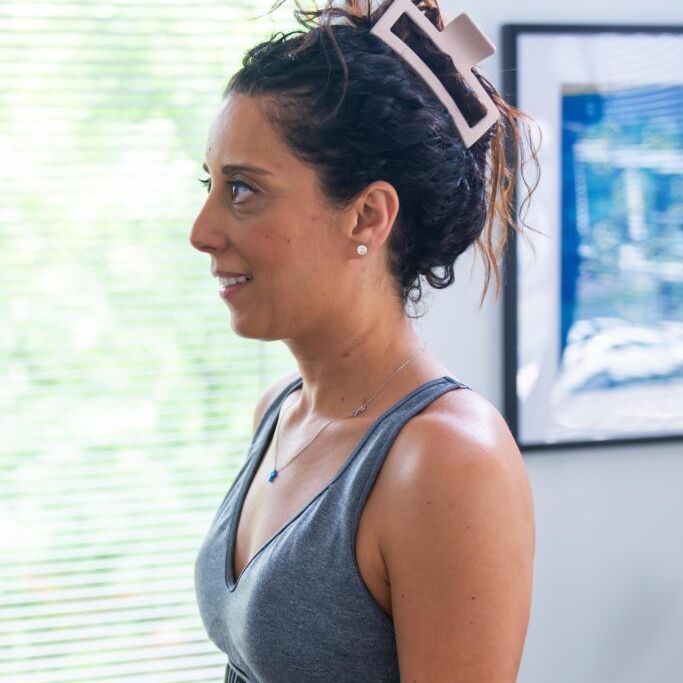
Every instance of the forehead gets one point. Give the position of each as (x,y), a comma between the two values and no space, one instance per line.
(240,134)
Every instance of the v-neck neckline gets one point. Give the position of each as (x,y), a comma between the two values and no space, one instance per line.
(230,580)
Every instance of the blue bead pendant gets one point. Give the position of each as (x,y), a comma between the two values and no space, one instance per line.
(272,475)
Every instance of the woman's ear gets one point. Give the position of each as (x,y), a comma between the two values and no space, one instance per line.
(376,209)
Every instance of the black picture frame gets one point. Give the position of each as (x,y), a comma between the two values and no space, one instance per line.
(581,409)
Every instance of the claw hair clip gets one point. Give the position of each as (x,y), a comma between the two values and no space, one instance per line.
(464,42)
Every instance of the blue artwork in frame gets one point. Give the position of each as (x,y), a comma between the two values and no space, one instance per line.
(594,299)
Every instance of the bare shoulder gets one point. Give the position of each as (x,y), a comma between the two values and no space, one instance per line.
(457,537)
(460,428)
(269,394)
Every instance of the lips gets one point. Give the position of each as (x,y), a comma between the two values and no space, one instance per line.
(228,291)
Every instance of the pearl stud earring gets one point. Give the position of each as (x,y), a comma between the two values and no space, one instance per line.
(362,249)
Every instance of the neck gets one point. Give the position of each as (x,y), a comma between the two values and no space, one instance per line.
(346,368)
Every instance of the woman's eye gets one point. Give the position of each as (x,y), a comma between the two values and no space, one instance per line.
(207,183)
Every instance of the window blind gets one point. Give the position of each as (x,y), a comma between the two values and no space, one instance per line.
(126,400)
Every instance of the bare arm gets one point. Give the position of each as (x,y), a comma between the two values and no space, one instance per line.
(459,551)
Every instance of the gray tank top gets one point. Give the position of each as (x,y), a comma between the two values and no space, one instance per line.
(300,610)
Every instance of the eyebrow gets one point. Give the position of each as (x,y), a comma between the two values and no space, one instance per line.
(227,169)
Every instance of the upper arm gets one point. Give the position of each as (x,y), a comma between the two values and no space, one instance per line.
(459,551)
(269,395)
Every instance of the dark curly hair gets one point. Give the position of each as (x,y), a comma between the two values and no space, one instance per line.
(358,112)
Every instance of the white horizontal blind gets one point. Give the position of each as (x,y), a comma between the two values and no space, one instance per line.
(125,398)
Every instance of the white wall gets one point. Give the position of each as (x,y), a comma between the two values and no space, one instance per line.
(608,582)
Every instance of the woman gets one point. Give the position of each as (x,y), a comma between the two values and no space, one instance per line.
(381,528)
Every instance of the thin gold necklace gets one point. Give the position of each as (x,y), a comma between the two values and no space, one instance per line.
(354,413)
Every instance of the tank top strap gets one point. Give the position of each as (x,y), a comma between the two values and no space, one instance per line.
(261,433)
(266,424)
(369,455)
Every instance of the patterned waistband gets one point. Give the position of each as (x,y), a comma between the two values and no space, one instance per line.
(234,675)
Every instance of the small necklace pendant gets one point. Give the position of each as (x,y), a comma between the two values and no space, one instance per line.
(272,475)
(358,411)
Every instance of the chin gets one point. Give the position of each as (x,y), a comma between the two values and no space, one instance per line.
(242,327)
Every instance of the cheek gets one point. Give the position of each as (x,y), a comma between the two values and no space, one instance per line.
(266,247)
(297,251)
(274,259)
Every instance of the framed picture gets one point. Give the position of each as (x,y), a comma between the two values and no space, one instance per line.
(594,293)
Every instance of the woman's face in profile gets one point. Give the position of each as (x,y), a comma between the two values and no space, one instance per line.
(264,216)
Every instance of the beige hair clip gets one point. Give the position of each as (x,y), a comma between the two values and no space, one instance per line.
(465,44)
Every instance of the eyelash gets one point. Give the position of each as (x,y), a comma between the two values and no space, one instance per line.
(207,183)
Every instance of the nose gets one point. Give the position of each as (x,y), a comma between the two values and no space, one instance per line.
(204,235)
